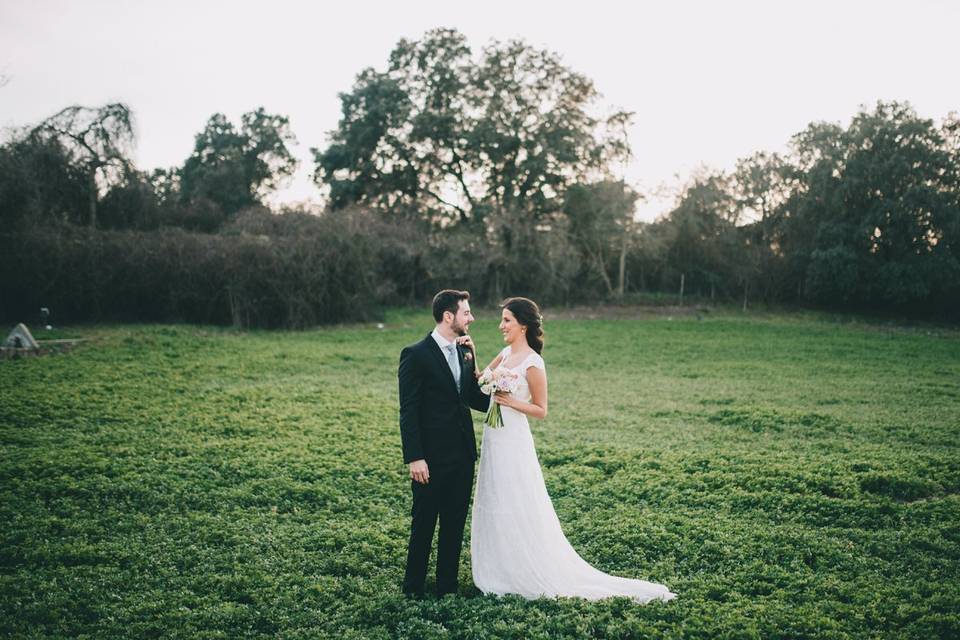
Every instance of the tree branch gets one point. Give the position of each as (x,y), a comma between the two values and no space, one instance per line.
(463,214)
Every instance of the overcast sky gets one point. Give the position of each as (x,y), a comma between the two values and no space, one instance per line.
(709,81)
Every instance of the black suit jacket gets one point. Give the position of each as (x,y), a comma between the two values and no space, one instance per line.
(435,420)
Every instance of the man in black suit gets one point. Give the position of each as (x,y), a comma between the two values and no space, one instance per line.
(437,389)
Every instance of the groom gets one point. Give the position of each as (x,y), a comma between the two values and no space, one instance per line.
(437,390)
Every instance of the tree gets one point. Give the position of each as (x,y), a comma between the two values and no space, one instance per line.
(761,182)
(874,216)
(762,185)
(700,234)
(237,168)
(452,138)
(39,182)
(601,225)
(132,204)
(901,192)
(98,140)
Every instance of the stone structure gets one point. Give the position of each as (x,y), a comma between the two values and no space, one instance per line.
(21,338)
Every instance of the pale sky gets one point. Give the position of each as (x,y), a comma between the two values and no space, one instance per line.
(710,82)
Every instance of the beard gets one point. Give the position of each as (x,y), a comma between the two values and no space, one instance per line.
(458,328)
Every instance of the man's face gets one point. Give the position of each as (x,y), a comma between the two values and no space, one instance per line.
(462,319)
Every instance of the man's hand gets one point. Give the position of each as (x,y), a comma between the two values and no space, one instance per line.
(419,471)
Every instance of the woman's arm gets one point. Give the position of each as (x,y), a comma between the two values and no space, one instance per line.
(496,362)
(537,407)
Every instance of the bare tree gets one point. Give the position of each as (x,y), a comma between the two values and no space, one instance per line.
(99,139)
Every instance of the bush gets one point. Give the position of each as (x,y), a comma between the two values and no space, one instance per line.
(292,281)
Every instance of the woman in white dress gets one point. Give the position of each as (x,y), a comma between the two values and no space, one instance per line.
(516,544)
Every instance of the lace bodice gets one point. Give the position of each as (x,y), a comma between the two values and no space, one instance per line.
(533,359)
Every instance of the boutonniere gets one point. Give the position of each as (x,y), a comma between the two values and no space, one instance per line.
(467,352)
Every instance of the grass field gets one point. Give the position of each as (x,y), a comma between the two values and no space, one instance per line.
(786,475)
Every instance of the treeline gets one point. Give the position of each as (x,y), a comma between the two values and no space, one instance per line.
(490,172)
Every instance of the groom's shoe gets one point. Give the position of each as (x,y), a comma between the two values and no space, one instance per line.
(413,595)
(446,591)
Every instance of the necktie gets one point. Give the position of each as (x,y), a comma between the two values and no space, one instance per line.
(453,363)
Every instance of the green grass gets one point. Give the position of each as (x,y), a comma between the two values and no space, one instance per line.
(786,476)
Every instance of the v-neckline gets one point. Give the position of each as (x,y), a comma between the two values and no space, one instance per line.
(519,364)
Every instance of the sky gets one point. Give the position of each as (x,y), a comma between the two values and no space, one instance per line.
(709,82)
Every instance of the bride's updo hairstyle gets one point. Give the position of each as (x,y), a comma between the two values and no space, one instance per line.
(528,315)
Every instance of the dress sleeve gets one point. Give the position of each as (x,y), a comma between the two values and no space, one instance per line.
(535,360)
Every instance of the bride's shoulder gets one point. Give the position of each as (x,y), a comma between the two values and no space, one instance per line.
(536,360)
(532,359)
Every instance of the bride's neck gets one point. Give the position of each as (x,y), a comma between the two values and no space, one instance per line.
(519,344)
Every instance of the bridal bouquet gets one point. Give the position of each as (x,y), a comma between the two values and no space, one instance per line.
(490,382)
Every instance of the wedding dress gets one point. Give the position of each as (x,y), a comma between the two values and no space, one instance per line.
(516,543)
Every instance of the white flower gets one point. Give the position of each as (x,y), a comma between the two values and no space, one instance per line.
(501,379)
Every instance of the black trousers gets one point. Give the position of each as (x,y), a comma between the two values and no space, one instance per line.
(447,498)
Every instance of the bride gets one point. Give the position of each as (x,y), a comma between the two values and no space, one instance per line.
(516,543)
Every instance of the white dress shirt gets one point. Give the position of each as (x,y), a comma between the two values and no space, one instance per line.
(444,344)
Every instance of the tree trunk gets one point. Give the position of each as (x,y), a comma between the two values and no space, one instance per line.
(93,198)
(623,267)
(598,258)
(746,288)
(682,278)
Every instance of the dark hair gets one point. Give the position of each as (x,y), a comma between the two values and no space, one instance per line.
(527,314)
(448,300)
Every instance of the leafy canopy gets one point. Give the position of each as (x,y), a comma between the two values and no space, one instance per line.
(450,136)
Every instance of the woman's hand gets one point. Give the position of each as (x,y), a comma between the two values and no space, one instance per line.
(467,343)
(505,399)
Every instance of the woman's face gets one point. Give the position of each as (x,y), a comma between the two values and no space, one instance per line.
(509,327)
